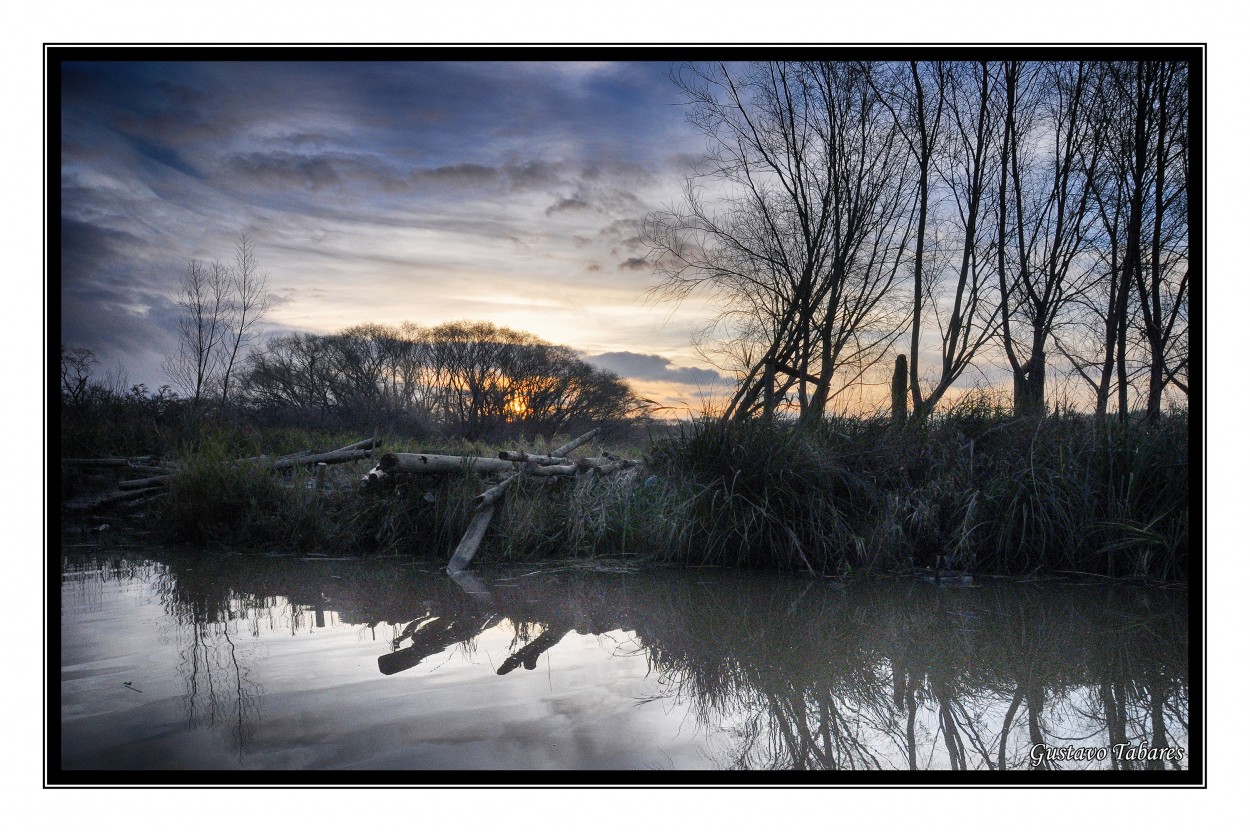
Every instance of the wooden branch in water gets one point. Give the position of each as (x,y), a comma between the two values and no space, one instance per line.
(472,538)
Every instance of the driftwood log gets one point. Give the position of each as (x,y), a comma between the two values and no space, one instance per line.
(104,500)
(146,482)
(442,464)
(472,539)
(111,462)
(537,459)
(357,450)
(330,457)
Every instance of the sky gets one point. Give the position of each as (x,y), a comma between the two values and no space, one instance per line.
(382,193)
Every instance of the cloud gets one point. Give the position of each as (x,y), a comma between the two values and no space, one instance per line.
(313,171)
(466,174)
(653,368)
(391,185)
(568,204)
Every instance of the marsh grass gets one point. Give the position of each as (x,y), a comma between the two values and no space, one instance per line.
(973,489)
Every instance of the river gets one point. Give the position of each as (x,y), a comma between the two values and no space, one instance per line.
(176,663)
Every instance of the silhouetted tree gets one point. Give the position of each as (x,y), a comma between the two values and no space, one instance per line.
(1045,216)
(77,365)
(465,378)
(802,250)
(202,327)
(249,301)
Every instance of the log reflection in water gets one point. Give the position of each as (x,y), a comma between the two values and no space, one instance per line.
(783,673)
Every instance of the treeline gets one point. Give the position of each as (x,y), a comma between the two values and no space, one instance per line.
(1029,216)
(466,379)
(461,380)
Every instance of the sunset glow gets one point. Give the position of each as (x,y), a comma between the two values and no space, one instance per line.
(378,193)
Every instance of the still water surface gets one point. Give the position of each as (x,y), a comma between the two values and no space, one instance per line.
(173,663)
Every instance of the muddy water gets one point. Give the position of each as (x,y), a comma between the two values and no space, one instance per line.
(282,664)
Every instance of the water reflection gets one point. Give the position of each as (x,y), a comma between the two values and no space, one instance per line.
(780,673)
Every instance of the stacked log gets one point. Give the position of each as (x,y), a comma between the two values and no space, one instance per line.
(472,539)
(162,473)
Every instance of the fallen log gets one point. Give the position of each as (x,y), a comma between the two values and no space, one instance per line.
(151,469)
(146,482)
(468,545)
(307,456)
(568,447)
(551,471)
(537,459)
(330,458)
(492,494)
(394,463)
(93,503)
(374,476)
(109,462)
(363,445)
(96,463)
(607,465)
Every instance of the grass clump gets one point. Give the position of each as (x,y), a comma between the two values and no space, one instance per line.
(972,489)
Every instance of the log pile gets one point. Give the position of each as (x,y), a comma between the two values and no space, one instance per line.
(513,465)
(133,491)
(510,466)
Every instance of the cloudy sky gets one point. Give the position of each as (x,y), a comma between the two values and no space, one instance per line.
(378,192)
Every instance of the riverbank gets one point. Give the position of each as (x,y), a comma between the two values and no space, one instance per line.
(972,491)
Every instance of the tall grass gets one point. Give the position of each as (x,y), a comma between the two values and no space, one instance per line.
(972,489)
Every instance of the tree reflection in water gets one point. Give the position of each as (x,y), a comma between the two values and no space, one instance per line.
(213,653)
(782,673)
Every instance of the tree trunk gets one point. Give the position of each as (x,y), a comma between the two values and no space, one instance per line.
(1030,387)
(898,391)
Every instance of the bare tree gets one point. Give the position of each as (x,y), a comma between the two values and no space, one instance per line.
(802,244)
(1045,193)
(249,301)
(915,95)
(77,366)
(292,374)
(946,112)
(1138,167)
(205,303)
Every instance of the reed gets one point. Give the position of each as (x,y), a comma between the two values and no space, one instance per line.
(972,489)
